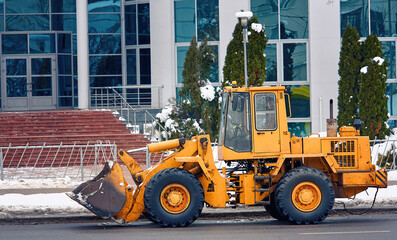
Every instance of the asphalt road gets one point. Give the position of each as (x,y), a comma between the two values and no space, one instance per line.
(374,226)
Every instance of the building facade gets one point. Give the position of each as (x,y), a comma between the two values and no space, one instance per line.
(141,45)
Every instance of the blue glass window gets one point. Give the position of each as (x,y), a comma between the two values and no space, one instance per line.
(64,6)
(271,62)
(300,100)
(16,67)
(1,6)
(105,65)
(105,44)
(74,44)
(354,12)
(75,69)
(391,91)
(23,6)
(65,102)
(267,13)
(65,86)
(16,87)
(14,43)
(64,64)
(383,18)
(64,43)
(144,63)
(130,25)
(1,23)
(42,43)
(105,81)
(214,69)
(294,56)
(389,53)
(208,20)
(144,23)
(181,55)
(104,23)
(131,67)
(64,22)
(27,22)
(103,6)
(294,19)
(185,25)
(299,129)
(41,86)
(41,66)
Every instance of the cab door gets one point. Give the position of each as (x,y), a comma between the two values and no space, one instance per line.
(266,133)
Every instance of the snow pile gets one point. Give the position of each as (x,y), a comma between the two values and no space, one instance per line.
(379,60)
(384,148)
(66,182)
(165,113)
(256,27)
(364,70)
(207,91)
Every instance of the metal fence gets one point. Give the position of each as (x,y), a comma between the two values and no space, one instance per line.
(74,161)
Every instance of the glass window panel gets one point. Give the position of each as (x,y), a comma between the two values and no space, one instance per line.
(144,62)
(64,43)
(75,86)
(181,55)
(64,64)
(42,43)
(64,22)
(65,86)
(391,91)
(185,25)
(271,62)
(27,22)
(214,70)
(294,19)
(144,23)
(16,67)
(383,18)
(63,6)
(105,65)
(267,13)
(103,6)
(41,86)
(300,129)
(294,57)
(208,19)
(1,6)
(110,81)
(24,6)
(14,43)
(16,87)
(41,66)
(74,44)
(131,67)
(300,100)
(354,12)
(132,96)
(104,23)
(145,96)
(75,69)
(65,102)
(265,111)
(130,25)
(1,23)
(389,53)
(105,44)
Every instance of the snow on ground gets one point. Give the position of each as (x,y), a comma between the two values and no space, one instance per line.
(66,182)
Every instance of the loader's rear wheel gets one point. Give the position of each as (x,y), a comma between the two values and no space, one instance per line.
(272,209)
(174,198)
(304,195)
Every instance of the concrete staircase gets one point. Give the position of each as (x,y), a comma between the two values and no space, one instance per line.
(68,128)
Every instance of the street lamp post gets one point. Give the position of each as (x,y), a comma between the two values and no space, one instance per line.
(244,17)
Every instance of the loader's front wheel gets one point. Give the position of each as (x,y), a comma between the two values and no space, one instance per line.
(174,198)
(304,195)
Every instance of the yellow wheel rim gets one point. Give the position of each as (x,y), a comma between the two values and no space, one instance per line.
(306,196)
(175,198)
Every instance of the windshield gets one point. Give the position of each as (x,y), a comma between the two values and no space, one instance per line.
(235,125)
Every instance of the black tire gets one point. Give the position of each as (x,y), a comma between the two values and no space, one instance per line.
(156,203)
(272,209)
(296,211)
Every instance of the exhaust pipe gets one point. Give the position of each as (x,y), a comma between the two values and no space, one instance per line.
(332,126)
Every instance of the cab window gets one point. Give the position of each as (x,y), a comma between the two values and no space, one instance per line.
(265,112)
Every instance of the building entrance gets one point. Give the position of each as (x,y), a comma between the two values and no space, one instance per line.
(28,82)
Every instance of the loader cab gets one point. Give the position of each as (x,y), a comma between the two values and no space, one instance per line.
(253,123)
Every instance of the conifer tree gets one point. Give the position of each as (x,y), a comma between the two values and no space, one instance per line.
(256,61)
(372,101)
(349,70)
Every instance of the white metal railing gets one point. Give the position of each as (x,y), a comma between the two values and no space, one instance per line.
(384,153)
(74,161)
(110,98)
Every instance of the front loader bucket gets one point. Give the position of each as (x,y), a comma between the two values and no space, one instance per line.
(105,195)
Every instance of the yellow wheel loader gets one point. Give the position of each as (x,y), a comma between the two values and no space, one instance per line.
(295,178)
